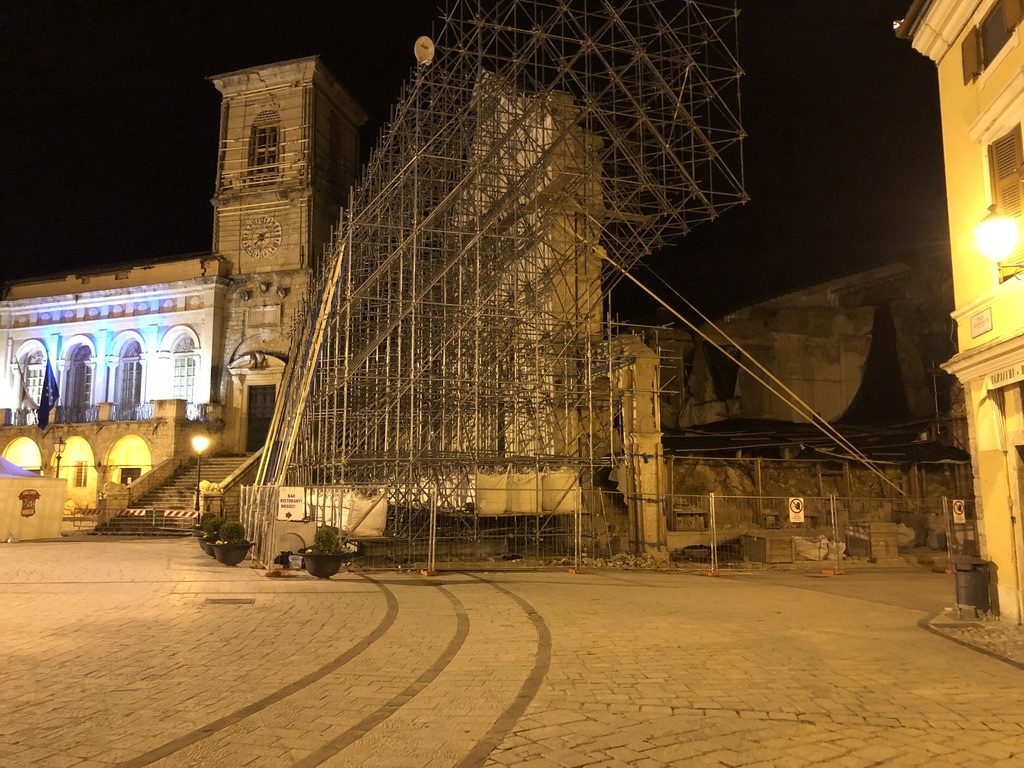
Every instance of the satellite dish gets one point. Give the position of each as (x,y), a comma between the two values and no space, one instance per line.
(424,50)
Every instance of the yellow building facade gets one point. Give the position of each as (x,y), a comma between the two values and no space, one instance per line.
(978,48)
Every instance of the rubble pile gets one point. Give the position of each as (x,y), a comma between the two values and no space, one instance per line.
(624,561)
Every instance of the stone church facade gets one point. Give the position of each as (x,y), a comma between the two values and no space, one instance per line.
(149,353)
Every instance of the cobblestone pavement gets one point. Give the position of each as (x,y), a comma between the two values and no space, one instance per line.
(150,653)
(991,636)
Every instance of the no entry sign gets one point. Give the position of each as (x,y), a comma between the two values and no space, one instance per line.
(796,509)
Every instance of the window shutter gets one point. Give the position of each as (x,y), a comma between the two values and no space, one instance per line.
(1012,12)
(1005,160)
(972,56)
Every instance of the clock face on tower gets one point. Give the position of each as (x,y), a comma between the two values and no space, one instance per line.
(261,236)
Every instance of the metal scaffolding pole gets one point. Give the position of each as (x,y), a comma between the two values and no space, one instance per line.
(456,327)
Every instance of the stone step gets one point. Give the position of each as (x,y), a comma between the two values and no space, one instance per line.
(179,491)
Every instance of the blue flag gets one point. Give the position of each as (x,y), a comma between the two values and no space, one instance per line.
(48,397)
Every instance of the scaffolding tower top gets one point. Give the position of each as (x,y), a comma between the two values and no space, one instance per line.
(457,324)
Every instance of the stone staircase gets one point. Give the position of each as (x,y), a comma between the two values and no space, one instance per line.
(158,513)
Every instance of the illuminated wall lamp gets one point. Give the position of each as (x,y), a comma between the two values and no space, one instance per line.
(997,236)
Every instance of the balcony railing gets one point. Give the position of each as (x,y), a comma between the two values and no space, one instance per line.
(22,417)
(131,411)
(197,412)
(77,414)
(106,412)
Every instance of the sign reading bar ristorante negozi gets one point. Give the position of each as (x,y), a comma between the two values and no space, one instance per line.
(1010,375)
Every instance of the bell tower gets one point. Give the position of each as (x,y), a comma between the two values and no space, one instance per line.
(288,153)
(289,150)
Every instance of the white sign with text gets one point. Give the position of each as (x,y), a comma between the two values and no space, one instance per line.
(290,504)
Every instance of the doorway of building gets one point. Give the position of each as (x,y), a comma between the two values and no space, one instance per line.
(261,411)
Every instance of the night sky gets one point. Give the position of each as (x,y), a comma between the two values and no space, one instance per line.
(109,131)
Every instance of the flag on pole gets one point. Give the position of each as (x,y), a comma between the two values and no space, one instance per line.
(49,396)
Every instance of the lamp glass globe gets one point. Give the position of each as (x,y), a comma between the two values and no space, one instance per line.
(997,236)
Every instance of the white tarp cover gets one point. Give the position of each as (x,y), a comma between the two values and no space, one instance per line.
(524,494)
(345,508)
(556,493)
(31,507)
(367,516)
(491,494)
(560,495)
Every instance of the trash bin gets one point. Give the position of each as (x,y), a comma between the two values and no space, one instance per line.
(972,574)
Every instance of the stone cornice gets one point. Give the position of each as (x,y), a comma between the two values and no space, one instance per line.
(287,74)
(277,75)
(191,287)
(979,362)
(936,31)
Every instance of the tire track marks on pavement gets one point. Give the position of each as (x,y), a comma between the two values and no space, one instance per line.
(528,690)
(386,710)
(186,740)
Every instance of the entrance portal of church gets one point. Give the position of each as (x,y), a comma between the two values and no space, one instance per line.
(261,411)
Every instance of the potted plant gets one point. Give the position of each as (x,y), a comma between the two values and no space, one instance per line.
(197,529)
(232,546)
(211,533)
(323,559)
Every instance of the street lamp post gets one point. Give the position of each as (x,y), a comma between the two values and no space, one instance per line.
(199,444)
(58,450)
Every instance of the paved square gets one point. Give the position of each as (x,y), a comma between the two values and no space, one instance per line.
(137,653)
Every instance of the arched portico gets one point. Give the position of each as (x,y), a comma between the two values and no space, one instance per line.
(128,459)
(24,452)
(78,467)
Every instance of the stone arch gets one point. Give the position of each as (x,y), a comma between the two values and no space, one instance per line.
(181,365)
(128,459)
(79,340)
(29,366)
(28,347)
(128,374)
(122,339)
(175,334)
(79,375)
(78,467)
(24,451)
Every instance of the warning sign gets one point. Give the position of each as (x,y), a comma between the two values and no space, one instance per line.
(959,512)
(796,509)
(290,504)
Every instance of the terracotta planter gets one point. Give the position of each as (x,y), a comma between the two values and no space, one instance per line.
(323,566)
(231,554)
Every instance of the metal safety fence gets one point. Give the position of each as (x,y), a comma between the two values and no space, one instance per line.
(79,521)
(714,531)
(705,531)
(425,536)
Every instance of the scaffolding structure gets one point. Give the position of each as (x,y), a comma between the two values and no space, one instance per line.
(456,330)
